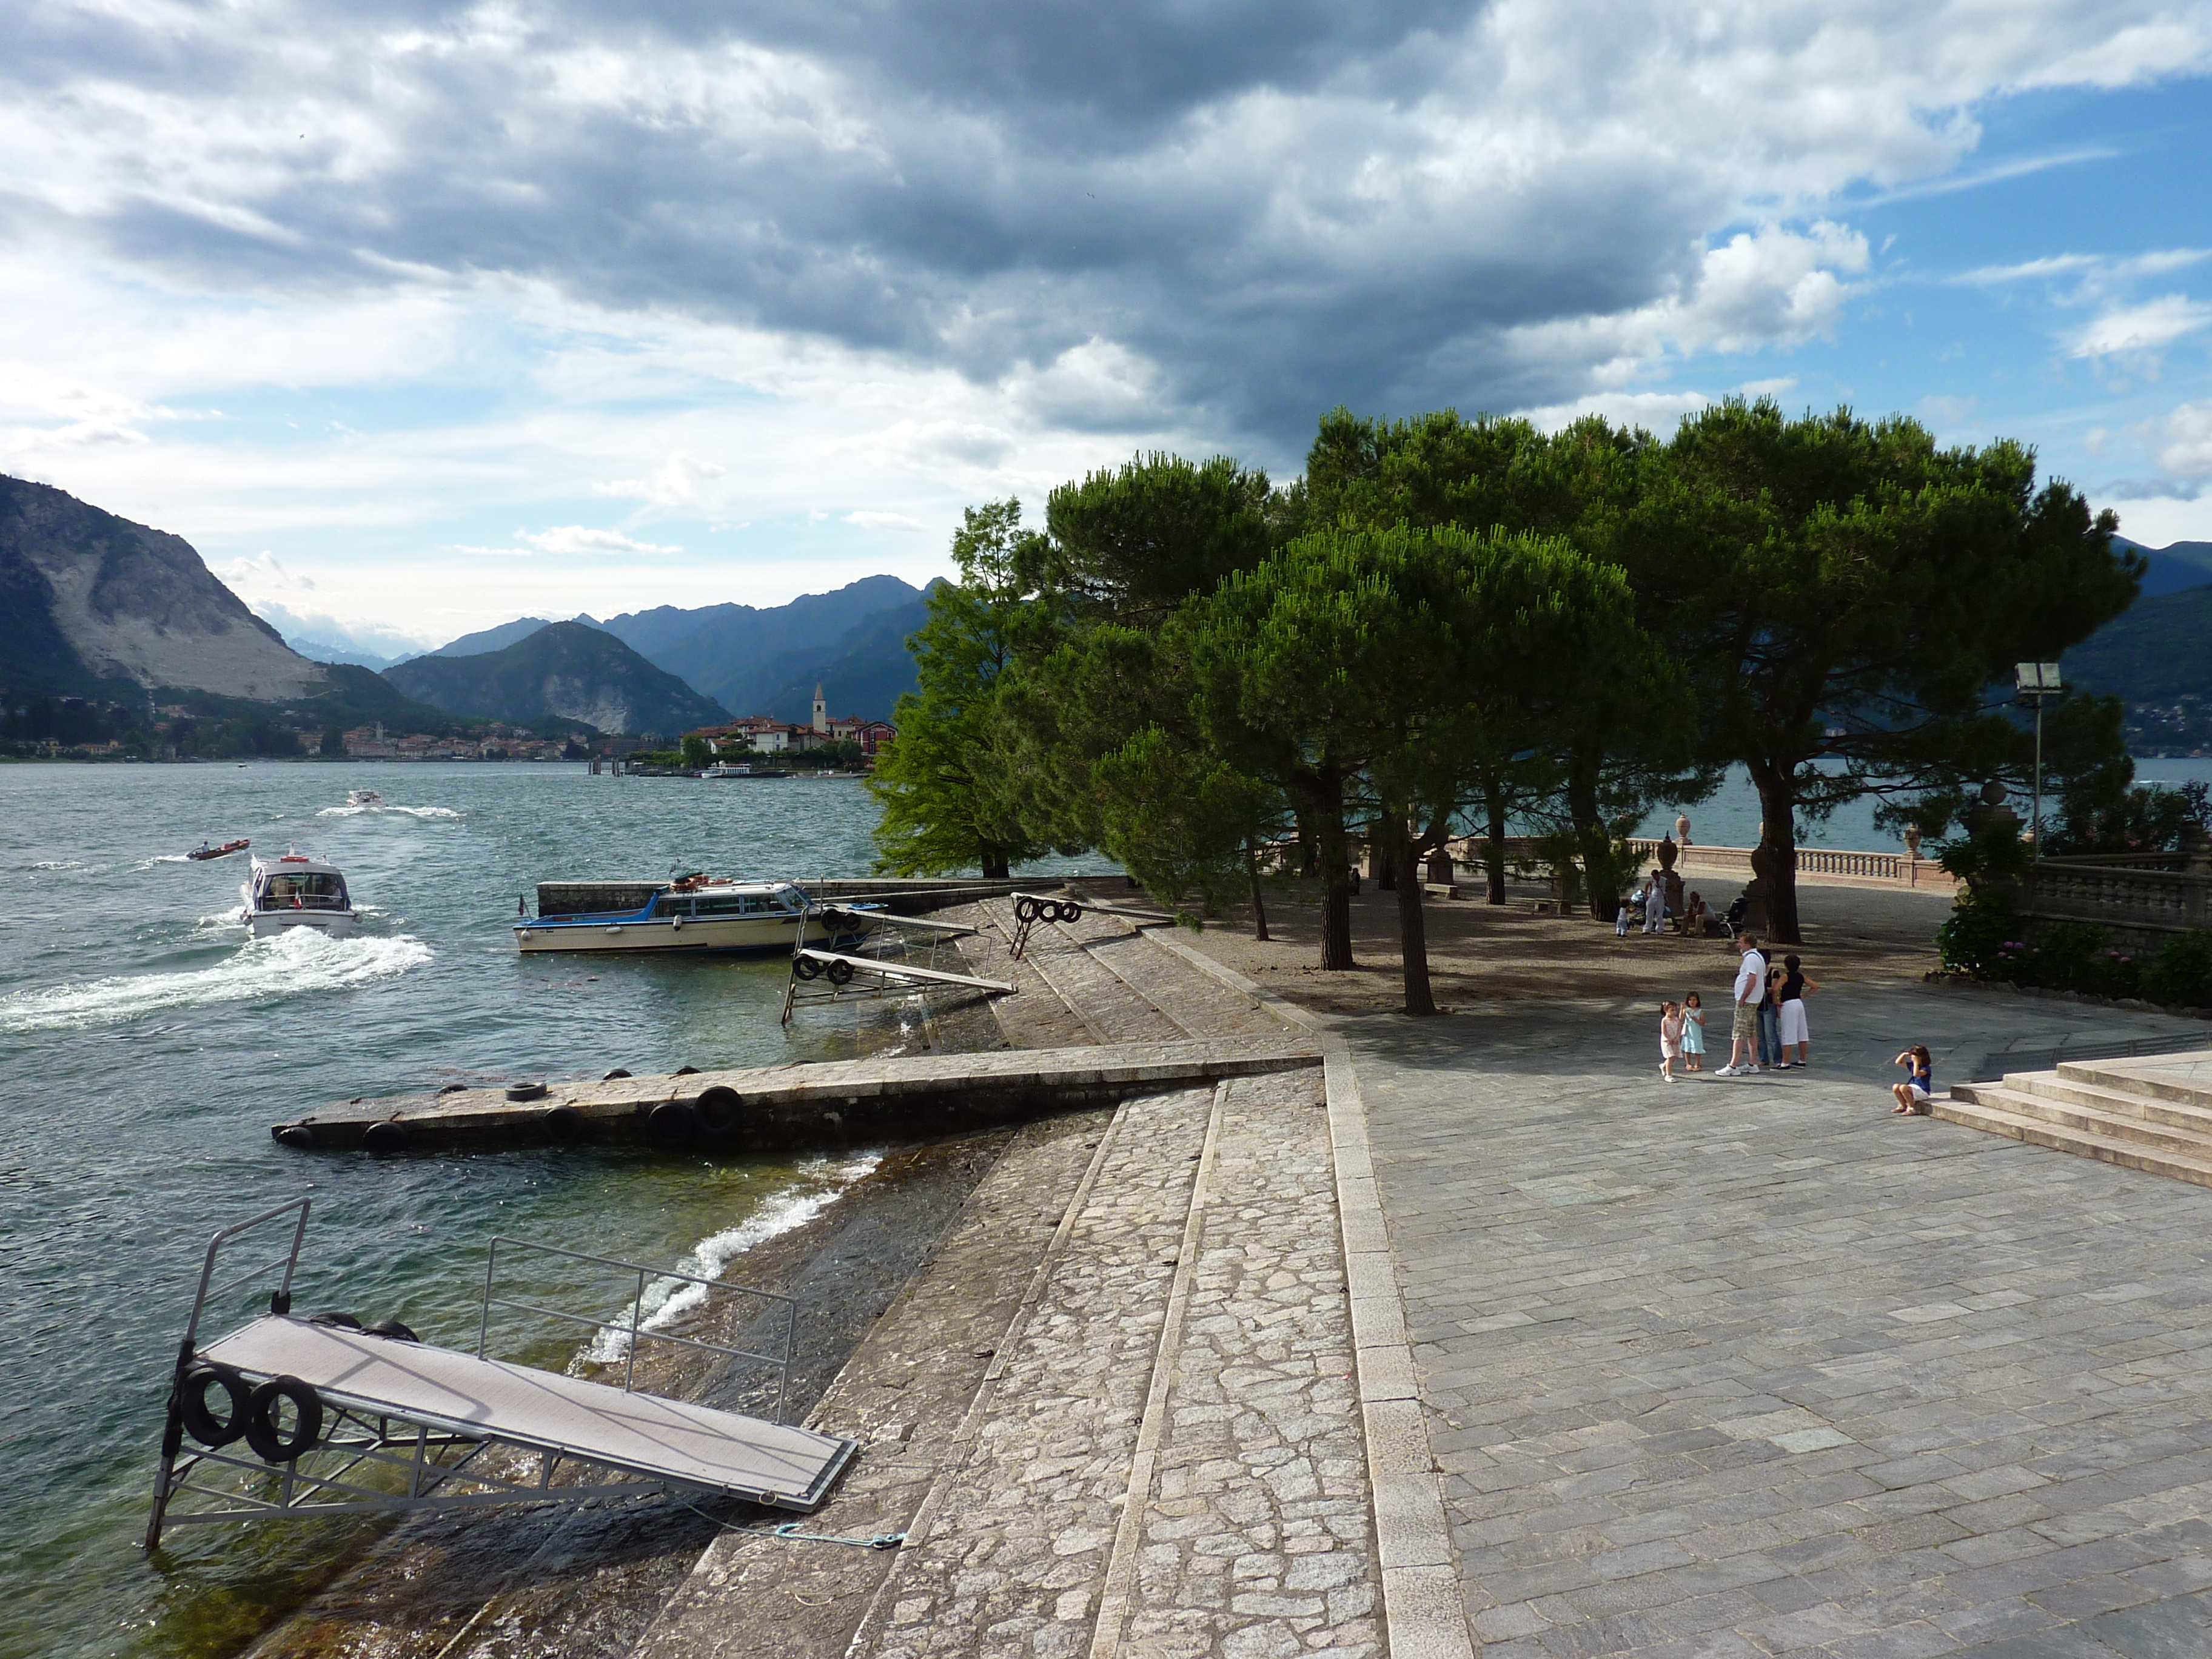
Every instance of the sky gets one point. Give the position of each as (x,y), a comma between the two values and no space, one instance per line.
(416,317)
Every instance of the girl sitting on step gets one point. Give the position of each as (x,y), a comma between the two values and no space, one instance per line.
(1912,1095)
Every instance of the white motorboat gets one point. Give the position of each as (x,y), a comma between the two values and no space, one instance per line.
(294,890)
(363,798)
(700,913)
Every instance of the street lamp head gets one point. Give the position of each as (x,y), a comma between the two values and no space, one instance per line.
(2036,678)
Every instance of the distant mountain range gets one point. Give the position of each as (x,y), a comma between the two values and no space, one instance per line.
(567,670)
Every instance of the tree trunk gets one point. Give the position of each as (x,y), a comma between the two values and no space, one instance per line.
(1493,856)
(1600,875)
(1386,857)
(1321,790)
(1412,929)
(1259,897)
(1774,860)
(994,864)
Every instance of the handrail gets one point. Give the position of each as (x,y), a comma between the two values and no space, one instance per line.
(636,1327)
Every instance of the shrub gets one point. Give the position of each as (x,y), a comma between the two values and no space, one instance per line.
(2182,971)
(2065,956)
(1981,937)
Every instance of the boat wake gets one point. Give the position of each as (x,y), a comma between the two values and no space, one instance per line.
(298,960)
(388,808)
(667,1300)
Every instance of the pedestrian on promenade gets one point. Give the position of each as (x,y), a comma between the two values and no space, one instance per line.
(1620,922)
(1743,1020)
(1796,987)
(1693,1033)
(1769,1020)
(1670,1038)
(1655,905)
(1919,1086)
(1697,915)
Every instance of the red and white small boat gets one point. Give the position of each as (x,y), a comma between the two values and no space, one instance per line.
(205,850)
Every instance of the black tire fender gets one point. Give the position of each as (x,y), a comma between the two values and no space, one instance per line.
(393,1330)
(618,1072)
(385,1137)
(294,1134)
(1025,909)
(672,1123)
(270,1443)
(1071,911)
(683,1071)
(343,1321)
(840,973)
(805,967)
(564,1126)
(202,1423)
(718,1112)
(526,1092)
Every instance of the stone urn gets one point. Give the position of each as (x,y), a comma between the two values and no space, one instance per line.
(1668,853)
(1912,840)
(1682,828)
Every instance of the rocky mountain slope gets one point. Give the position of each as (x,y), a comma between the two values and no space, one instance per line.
(567,670)
(93,605)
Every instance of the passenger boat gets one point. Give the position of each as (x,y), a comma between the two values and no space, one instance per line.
(725,770)
(363,798)
(295,890)
(699,912)
(204,850)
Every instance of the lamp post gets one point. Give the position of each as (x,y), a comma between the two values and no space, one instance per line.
(2038,680)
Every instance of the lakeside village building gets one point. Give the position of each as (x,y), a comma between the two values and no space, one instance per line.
(757,734)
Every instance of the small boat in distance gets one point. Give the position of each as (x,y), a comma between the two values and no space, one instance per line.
(698,913)
(363,798)
(205,850)
(295,890)
(725,770)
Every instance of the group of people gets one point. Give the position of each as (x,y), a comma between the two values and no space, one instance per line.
(1650,903)
(1766,1022)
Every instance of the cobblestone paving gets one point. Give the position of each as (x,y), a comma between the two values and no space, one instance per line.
(1252,1538)
(1721,1369)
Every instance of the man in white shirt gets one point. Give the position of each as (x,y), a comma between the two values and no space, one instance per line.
(1750,992)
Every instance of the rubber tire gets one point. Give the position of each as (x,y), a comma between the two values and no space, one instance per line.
(261,1431)
(528,1091)
(192,1410)
(686,1071)
(335,1321)
(453,1089)
(718,1112)
(618,1072)
(840,973)
(564,1126)
(294,1134)
(672,1124)
(392,1331)
(1025,909)
(1071,911)
(385,1137)
(805,967)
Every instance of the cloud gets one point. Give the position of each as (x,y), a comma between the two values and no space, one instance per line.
(2143,329)
(577,539)
(261,576)
(680,480)
(2186,450)
(1147,216)
(884,521)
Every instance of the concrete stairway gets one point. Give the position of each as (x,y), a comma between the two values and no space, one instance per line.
(2152,1113)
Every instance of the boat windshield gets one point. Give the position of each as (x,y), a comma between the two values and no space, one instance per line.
(717,904)
(304,890)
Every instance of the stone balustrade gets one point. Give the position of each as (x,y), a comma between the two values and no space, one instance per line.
(2120,894)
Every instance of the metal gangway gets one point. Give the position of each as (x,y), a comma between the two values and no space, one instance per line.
(339,1419)
(819,974)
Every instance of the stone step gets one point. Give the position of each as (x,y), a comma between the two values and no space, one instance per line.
(2161,1076)
(2122,1121)
(2112,1101)
(2106,1149)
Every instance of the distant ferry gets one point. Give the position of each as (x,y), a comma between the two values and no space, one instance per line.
(727,770)
(296,891)
(699,912)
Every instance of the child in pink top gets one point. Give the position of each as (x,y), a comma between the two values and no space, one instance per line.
(1670,1038)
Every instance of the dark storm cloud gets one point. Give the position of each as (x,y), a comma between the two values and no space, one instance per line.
(1268,207)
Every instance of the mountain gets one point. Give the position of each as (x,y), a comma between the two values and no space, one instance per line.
(564,670)
(2173,568)
(2152,653)
(490,639)
(864,673)
(743,656)
(93,605)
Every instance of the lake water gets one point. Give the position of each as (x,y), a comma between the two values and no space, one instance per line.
(147,1047)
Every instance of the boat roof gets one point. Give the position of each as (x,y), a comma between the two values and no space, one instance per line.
(721,884)
(290,863)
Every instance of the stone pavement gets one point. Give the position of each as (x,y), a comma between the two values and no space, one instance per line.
(1752,1367)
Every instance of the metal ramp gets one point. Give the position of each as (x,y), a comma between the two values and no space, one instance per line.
(342,1421)
(820,975)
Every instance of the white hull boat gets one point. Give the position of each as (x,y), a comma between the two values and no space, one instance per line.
(699,914)
(295,890)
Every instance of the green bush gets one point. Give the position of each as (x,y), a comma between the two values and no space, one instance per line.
(2181,973)
(2065,957)
(1981,937)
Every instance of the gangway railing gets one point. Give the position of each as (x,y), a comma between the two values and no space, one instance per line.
(342,1420)
(820,974)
